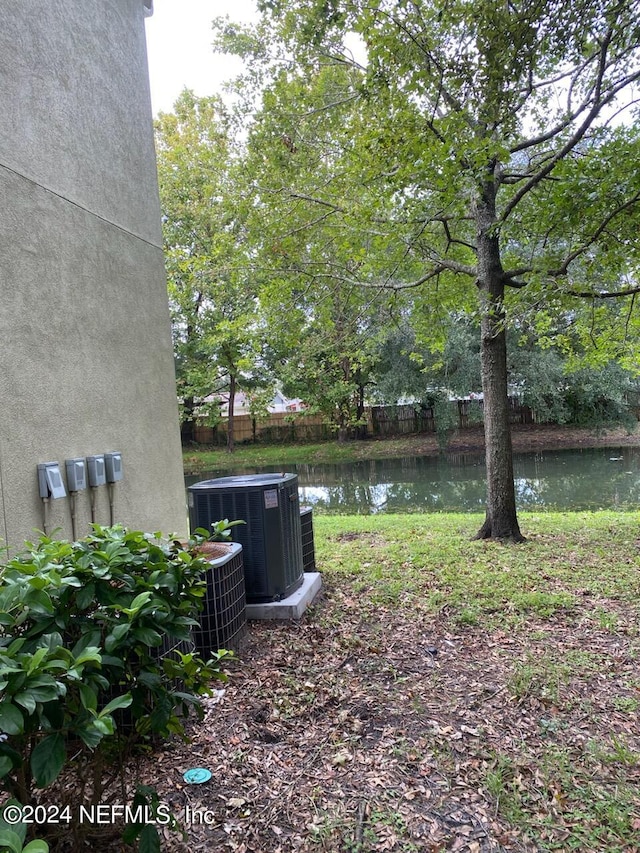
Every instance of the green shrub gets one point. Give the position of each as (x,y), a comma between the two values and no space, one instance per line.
(84,668)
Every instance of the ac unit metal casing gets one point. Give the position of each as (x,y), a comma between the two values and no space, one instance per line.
(271,539)
(308,548)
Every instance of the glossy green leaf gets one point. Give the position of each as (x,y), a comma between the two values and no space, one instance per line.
(10,839)
(88,697)
(47,759)
(36,846)
(11,719)
(149,840)
(119,702)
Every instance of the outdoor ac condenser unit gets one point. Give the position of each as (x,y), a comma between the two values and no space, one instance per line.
(271,539)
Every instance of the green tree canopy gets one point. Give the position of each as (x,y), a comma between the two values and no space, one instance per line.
(475,155)
(212,295)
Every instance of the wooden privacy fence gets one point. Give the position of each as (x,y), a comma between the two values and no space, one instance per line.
(400,420)
(380,421)
(276,428)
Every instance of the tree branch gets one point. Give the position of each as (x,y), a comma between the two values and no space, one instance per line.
(320,201)
(601,99)
(587,244)
(456,105)
(326,107)
(604,294)
(453,240)
(444,265)
(571,116)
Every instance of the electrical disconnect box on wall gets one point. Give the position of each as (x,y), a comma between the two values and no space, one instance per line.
(50,480)
(113,466)
(96,470)
(76,474)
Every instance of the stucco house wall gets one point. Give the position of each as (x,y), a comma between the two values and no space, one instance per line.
(86,362)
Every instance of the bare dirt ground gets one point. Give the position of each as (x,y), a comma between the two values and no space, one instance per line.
(531,437)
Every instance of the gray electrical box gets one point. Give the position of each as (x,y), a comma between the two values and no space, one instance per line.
(76,474)
(113,466)
(96,470)
(50,480)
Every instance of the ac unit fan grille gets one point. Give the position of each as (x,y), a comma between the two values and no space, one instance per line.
(308,547)
(224,619)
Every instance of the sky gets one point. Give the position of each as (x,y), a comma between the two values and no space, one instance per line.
(179,49)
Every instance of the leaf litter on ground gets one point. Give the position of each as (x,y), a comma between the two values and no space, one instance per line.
(425,703)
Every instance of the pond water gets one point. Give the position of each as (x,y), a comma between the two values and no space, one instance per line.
(594,478)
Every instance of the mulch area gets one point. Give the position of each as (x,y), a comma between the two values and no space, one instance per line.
(356,730)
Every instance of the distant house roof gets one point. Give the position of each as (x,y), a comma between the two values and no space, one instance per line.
(242,403)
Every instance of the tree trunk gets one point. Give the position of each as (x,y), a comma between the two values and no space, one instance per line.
(232,396)
(501,519)
(361,429)
(188,427)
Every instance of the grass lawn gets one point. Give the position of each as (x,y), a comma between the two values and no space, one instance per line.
(442,694)
(256,455)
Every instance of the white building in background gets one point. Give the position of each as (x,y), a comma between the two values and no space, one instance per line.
(241,404)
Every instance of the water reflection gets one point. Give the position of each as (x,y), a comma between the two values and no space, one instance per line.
(561,479)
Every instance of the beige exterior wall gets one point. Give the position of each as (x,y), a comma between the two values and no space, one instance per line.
(86,362)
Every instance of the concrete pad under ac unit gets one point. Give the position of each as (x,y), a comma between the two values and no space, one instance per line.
(291,607)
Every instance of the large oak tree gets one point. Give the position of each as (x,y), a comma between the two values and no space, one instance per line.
(482,152)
